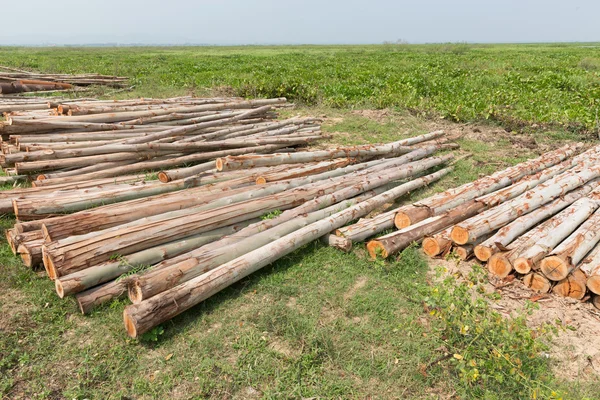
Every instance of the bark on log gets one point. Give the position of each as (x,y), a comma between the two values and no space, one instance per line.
(31,253)
(98,295)
(512,231)
(141,317)
(451,198)
(399,240)
(486,222)
(563,259)
(591,267)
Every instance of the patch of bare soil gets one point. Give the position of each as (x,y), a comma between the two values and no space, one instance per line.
(488,134)
(575,351)
(380,116)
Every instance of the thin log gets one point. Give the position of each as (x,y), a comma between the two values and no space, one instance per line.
(537,282)
(572,286)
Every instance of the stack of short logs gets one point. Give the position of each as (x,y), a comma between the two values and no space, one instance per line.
(19,81)
(239,194)
(537,220)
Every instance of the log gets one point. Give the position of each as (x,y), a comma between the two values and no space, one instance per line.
(139,318)
(439,244)
(251,161)
(596,301)
(563,259)
(560,227)
(442,202)
(510,232)
(468,231)
(31,253)
(572,286)
(104,272)
(338,242)
(389,244)
(591,267)
(98,295)
(537,282)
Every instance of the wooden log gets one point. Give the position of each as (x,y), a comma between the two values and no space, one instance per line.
(596,301)
(104,272)
(439,244)
(366,228)
(440,203)
(510,232)
(338,242)
(591,268)
(31,253)
(572,286)
(559,227)
(19,238)
(563,259)
(98,295)
(251,161)
(141,317)
(389,244)
(537,282)
(63,257)
(468,231)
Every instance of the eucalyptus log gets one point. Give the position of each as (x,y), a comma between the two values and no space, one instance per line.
(98,295)
(442,202)
(537,282)
(486,222)
(563,259)
(572,285)
(560,227)
(510,232)
(591,268)
(141,317)
(31,253)
(251,161)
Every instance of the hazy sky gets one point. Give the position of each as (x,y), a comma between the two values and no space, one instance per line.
(299,22)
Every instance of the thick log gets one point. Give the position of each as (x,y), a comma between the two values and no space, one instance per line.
(537,282)
(510,232)
(338,242)
(486,222)
(389,244)
(31,253)
(572,286)
(141,317)
(563,259)
(558,228)
(440,203)
(591,267)
(101,273)
(98,295)
(439,244)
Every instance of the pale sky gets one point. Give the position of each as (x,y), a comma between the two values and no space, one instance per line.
(298,22)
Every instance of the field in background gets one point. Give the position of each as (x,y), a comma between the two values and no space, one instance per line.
(319,323)
(517,85)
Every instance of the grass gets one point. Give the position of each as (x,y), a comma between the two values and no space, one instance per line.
(317,323)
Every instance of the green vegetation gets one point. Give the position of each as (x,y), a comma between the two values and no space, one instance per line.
(517,85)
(319,323)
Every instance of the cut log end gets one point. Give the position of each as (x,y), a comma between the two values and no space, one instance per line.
(376,250)
(134,292)
(261,180)
(431,247)
(593,283)
(164,177)
(555,268)
(483,253)
(499,265)
(130,325)
(462,252)
(570,287)
(9,233)
(523,265)
(48,264)
(40,177)
(219,164)
(411,216)
(537,282)
(59,288)
(459,235)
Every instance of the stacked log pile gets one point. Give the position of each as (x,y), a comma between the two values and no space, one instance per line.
(101,229)
(537,220)
(19,81)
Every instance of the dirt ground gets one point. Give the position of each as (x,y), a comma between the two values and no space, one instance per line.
(575,350)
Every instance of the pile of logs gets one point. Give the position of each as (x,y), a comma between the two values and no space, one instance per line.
(18,81)
(239,194)
(537,220)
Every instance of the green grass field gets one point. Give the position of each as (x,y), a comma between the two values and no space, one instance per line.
(318,323)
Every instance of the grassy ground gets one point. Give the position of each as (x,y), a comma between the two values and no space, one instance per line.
(316,324)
